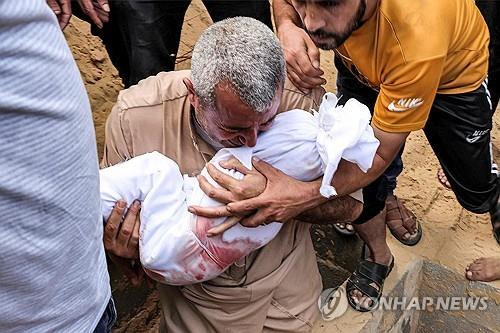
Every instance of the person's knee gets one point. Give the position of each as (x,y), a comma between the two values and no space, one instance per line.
(357,209)
(369,210)
(374,196)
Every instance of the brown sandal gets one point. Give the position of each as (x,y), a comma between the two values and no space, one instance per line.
(397,218)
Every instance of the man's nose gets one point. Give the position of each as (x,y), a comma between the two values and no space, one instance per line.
(313,18)
(249,138)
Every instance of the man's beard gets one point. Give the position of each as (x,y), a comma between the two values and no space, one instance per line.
(336,39)
(201,126)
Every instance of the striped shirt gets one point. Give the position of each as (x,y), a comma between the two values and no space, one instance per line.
(53,275)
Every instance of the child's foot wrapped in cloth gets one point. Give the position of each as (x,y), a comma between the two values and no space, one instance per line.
(174,246)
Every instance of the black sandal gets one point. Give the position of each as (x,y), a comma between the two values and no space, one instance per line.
(366,273)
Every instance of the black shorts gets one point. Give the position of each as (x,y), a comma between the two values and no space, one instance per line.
(458,130)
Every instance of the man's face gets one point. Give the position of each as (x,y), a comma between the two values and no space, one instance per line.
(233,123)
(330,23)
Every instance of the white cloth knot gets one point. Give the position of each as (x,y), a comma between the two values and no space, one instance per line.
(344,132)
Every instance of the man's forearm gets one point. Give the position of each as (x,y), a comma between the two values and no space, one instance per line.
(349,177)
(284,12)
(339,210)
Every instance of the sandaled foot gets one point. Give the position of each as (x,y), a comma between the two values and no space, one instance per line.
(402,223)
(345,229)
(443,179)
(484,269)
(364,287)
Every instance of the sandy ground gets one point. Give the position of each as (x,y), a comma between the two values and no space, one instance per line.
(452,236)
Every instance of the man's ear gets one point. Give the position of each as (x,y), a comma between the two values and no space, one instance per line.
(193,99)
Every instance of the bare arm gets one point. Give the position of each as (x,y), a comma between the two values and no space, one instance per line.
(284,13)
(302,56)
(348,179)
(339,210)
(285,197)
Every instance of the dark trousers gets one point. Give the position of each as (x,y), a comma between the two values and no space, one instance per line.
(108,318)
(458,130)
(142,37)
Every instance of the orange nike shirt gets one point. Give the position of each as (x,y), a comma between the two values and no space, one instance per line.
(411,50)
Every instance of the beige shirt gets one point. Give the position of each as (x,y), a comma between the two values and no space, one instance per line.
(274,288)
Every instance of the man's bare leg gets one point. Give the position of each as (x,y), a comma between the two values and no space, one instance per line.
(373,234)
(484,269)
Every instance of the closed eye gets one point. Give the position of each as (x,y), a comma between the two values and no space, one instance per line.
(234,130)
(329,4)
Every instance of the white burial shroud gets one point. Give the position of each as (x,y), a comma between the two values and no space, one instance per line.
(174,248)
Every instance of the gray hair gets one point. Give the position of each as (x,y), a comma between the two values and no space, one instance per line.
(243,53)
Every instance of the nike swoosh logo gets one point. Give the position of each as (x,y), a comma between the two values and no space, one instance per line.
(405,104)
(476,135)
(473,139)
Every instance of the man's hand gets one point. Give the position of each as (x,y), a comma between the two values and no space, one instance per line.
(96,10)
(252,184)
(121,240)
(62,9)
(283,199)
(302,57)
